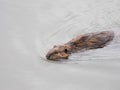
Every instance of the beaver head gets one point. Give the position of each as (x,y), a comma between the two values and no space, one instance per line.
(58,52)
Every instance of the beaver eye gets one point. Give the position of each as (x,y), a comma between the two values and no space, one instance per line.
(65,50)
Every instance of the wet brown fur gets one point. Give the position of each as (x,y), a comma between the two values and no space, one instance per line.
(80,43)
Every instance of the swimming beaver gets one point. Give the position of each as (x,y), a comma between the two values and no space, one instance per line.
(83,42)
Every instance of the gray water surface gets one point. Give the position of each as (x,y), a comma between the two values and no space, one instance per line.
(29,28)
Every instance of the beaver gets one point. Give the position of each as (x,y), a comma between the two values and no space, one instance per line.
(80,43)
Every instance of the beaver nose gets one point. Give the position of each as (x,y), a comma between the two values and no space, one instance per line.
(48,56)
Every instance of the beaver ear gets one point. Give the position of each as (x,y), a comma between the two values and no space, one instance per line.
(54,46)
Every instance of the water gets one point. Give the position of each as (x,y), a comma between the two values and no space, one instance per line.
(29,28)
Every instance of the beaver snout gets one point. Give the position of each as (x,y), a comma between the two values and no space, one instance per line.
(57,56)
(51,56)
